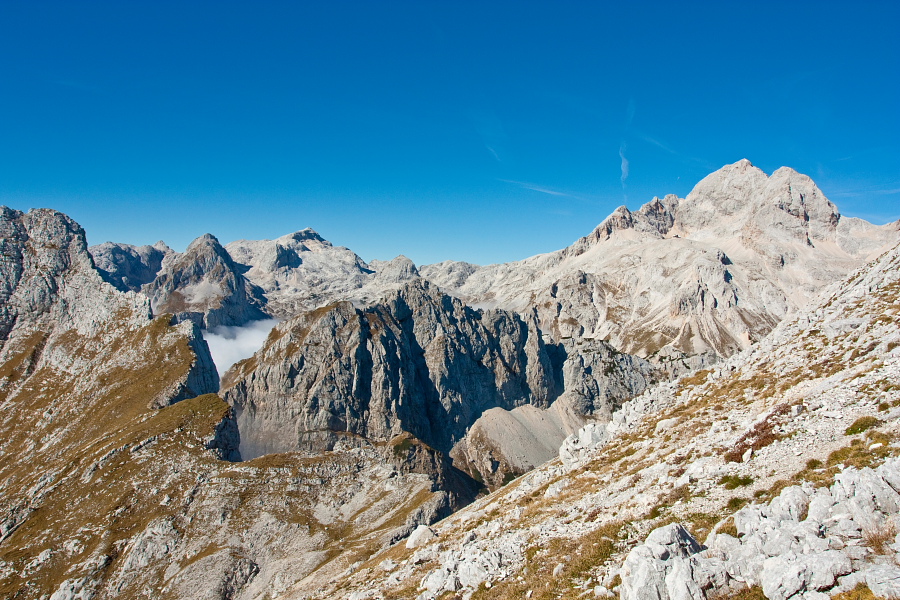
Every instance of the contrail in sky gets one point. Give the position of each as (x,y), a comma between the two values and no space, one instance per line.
(624,177)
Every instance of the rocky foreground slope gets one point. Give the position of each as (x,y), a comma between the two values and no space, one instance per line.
(776,471)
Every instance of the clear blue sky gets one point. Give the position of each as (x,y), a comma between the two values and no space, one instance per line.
(480,131)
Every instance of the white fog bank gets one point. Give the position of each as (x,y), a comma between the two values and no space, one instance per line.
(229,345)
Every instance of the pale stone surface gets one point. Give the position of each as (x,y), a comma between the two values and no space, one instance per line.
(421,536)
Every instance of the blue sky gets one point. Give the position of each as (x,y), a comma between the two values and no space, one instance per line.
(479,131)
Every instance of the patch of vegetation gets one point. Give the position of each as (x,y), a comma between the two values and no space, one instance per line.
(862,424)
(880,537)
(751,593)
(762,435)
(860,592)
(700,524)
(728,527)
(857,455)
(679,494)
(402,448)
(813,464)
(509,477)
(732,482)
(736,503)
(695,379)
(579,557)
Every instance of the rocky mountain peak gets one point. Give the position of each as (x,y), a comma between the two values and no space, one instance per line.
(399,268)
(47,272)
(741,197)
(307,233)
(798,195)
(205,242)
(205,286)
(656,283)
(732,190)
(129,267)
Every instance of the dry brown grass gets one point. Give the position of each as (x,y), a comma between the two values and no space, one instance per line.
(728,527)
(579,558)
(860,592)
(880,537)
(762,435)
(748,593)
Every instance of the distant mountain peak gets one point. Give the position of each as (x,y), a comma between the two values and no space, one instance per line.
(305,234)
(207,240)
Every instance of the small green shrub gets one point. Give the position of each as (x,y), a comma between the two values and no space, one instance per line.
(813,463)
(861,424)
(735,481)
(736,503)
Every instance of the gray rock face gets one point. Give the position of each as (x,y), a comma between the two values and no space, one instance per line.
(47,274)
(802,542)
(665,567)
(43,253)
(420,362)
(423,362)
(205,286)
(129,267)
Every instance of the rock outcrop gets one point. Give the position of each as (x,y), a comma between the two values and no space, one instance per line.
(424,363)
(129,267)
(804,542)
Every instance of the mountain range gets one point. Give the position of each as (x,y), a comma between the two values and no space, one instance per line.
(604,387)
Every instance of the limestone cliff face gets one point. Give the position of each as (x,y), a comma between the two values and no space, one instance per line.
(423,362)
(129,267)
(419,361)
(205,286)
